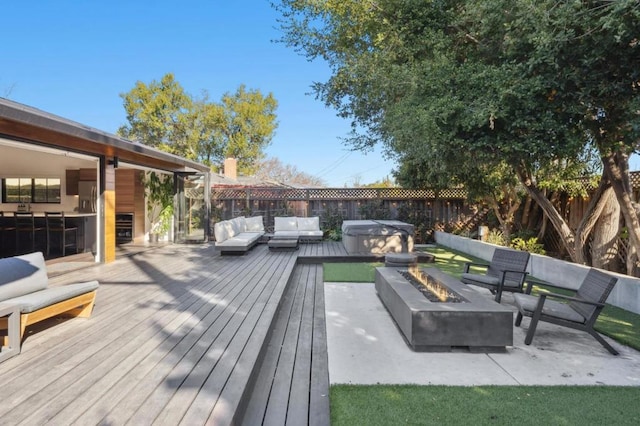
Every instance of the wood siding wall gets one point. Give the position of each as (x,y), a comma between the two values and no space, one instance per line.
(130,190)
(109,197)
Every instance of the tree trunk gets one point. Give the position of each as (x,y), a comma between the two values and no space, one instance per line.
(596,205)
(543,228)
(527,210)
(558,222)
(493,204)
(616,166)
(505,211)
(604,246)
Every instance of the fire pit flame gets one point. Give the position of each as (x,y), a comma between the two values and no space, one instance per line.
(434,287)
(430,287)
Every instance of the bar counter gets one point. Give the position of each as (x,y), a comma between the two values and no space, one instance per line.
(9,215)
(85,222)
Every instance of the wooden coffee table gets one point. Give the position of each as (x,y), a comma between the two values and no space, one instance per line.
(283,243)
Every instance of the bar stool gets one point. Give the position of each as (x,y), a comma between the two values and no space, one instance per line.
(25,224)
(5,229)
(56,224)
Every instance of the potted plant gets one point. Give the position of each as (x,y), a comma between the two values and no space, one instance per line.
(159,191)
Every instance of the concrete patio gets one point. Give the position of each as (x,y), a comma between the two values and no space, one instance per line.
(366,347)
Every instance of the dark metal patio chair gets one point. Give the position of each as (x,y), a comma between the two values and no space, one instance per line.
(580,313)
(505,272)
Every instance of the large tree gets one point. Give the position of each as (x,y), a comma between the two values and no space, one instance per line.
(470,85)
(161,114)
(250,126)
(156,114)
(275,170)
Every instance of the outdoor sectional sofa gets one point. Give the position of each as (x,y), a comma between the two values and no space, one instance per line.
(304,228)
(24,285)
(238,235)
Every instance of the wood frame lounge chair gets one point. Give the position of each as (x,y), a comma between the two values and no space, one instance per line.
(580,313)
(505,272)
(24,283)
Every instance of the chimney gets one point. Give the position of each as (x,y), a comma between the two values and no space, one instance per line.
(231,168)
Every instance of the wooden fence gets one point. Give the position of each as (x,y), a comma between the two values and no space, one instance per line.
(333,205)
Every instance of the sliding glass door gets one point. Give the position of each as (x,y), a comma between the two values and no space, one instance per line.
(192,207)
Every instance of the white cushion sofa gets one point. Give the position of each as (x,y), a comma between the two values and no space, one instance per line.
(238,235)
(305,228)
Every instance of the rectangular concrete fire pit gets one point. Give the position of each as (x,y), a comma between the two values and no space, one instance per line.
(477,323)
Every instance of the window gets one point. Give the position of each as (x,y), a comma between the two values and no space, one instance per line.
(31,190)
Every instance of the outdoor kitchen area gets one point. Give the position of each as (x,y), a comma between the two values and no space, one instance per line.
(38,184)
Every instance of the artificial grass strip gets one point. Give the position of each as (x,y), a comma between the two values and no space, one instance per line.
(621,325)
(350,272)
(449,261)
(354,272)
(483,405)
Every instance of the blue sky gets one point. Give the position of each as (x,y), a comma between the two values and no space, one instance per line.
(74,58)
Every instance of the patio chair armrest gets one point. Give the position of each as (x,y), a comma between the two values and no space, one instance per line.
(572,299)
(504,273)
(524,273)
(467,265)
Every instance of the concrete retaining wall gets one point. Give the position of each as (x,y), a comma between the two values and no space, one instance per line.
(626,293)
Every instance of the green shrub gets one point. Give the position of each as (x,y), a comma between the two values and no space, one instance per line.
(334,235)
(495,236)
(531,245)
(331,221)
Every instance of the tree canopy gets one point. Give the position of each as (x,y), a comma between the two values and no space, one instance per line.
(459,89)
(161,114)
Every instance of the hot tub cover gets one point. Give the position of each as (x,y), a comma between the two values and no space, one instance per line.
(375,227)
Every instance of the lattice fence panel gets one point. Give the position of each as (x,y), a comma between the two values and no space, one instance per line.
(453,193)
(229,194)
(336,194)
(342,193)
(351,193)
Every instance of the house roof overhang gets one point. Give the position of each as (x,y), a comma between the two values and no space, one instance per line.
(30,125)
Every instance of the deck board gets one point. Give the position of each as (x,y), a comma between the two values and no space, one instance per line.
(190,375)
(261,389)
(175,362)
(276,412)
(38,374)
(293,384)
(298,408)
(319,381)
(182,335)
(100,362)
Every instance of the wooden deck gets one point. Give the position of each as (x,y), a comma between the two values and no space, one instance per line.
(292,386)
(181,335)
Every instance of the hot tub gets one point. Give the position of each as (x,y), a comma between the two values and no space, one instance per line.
(376,236)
